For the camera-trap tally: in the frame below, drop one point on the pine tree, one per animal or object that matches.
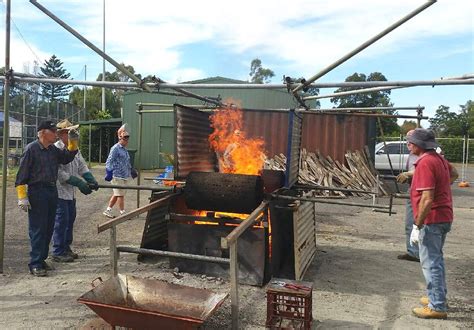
(53, 68)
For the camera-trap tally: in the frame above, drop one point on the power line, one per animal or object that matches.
(22, 37)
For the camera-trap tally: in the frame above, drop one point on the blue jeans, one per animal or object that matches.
(43, 201)
(63, 226)
(432, 239)
(412, 250)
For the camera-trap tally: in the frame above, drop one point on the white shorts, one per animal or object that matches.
(121, 182)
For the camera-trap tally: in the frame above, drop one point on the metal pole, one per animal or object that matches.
(103, 59)
(345, 84)
(113, 252)
(100, 144)
(130, 187)
(234, 285)
(463, 168)
(91, 45)
(364, 45)
(419, 113)
(388, 155)
(6, 135)
(370, 90)
(130, 249)
(84, 117)
(139, 154)
(23, 127)
(90, 144)
(357, 91)
(326, 201)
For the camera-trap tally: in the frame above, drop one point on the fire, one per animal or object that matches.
(236, 153)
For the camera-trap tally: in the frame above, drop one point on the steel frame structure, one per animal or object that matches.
(294, 88)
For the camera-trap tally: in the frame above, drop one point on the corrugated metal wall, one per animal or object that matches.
(331, 135)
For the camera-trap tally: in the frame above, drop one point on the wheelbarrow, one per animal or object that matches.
(137, 303)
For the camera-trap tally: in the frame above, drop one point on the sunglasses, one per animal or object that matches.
(126, 137)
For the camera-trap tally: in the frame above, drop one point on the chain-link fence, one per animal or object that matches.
(28, 108)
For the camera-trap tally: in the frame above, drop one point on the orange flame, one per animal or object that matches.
(236, 153)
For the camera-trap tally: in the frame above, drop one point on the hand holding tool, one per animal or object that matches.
(73, 140)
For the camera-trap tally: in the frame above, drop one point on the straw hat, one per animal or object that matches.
(66, 125)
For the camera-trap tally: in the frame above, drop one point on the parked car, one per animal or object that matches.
(398, 152)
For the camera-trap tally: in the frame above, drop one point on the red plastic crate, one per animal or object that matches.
(289, 304)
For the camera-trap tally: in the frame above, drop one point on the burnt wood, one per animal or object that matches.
(223, 192)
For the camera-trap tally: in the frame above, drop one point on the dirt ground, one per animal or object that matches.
(358, 281)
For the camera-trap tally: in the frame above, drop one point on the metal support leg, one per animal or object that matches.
(113, 251)
(234, 285)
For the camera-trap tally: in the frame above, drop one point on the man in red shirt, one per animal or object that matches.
(431, 198)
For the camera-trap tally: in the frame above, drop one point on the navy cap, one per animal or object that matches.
(47, 124)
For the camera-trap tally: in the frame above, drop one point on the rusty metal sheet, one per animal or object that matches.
(137, 303)
(331, 135)
(192, 152)
(293, 151)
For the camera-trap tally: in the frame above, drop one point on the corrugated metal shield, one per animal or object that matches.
(192, 152)
(295, 126)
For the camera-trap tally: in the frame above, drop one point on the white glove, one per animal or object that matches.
(24, 204)
(414, 236)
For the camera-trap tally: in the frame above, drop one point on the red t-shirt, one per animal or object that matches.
(432, 173)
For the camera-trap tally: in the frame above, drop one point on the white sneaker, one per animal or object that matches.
(108, 214)
(122, 212)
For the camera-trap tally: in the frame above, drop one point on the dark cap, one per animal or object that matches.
(423, 138)
(47, 124)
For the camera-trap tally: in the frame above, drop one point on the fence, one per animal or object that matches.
(28, 109)
(457, 150)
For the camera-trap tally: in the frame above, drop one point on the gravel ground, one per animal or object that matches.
(358, 281)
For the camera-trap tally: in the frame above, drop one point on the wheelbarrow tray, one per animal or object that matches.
(137, 303)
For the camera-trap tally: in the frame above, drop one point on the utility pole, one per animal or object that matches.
(103, 59)
(85, 91)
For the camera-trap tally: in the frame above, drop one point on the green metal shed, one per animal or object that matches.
(158, 128)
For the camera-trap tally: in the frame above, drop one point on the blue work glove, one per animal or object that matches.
(81, 184)
(91, 181)
(133, 173)
(108, 175)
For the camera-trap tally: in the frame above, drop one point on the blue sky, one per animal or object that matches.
(186, 40)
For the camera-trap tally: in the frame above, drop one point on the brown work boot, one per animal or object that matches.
(425, 301)
(428, 313)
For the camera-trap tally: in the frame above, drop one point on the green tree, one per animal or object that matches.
(449, 123)
(258, 74)
(53, 68)
(94, 102)
(445, 122)
(373, 99)
(407, 125)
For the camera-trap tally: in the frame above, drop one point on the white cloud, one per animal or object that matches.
(301, 35)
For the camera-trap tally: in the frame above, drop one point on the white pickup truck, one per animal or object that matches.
(398, 152)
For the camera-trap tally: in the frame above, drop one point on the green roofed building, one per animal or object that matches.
(158, 128)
